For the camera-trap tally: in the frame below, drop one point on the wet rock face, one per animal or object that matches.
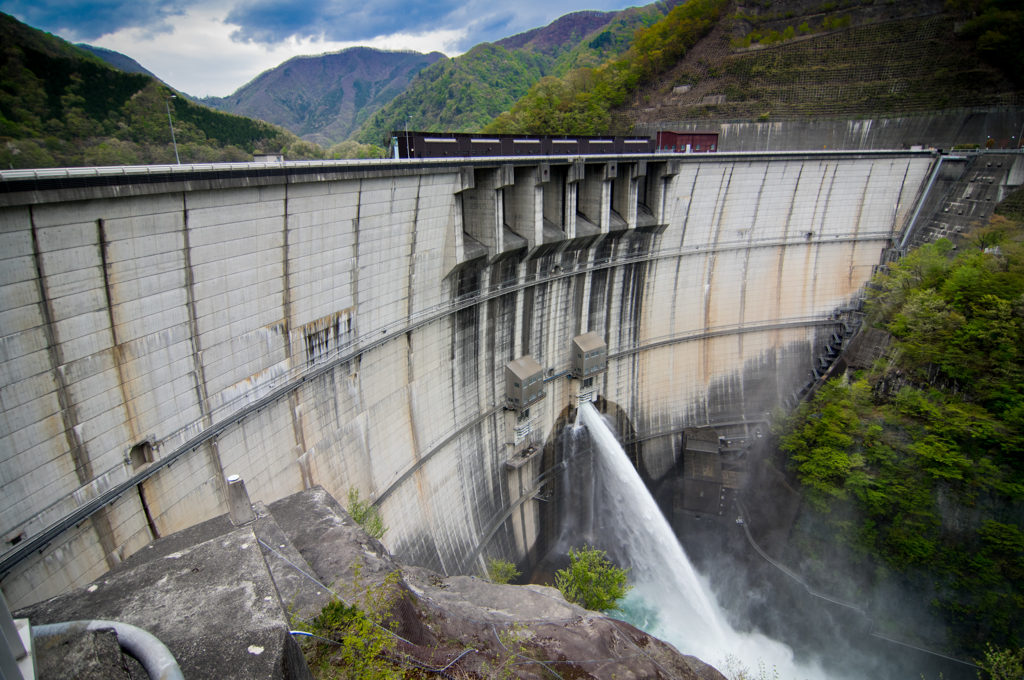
(474, 627)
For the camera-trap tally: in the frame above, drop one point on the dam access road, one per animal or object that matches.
(347, 324)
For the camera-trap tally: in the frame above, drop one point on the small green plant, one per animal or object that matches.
(360, 644)
(591, 580)
(836, 23)
(512, 641)
(365, 515)
(501, 571)
(1002, 664)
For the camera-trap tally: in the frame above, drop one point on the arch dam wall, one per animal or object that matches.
(347, 325)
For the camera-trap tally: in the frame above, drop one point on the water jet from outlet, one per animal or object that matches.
(669, 600)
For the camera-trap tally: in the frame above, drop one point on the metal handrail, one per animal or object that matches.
(125, 170)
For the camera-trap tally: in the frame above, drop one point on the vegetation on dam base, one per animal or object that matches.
(911, 470)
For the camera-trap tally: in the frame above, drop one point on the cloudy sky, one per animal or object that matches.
(213, 47)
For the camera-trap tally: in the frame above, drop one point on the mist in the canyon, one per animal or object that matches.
(701, 585)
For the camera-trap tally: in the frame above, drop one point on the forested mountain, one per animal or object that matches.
(62, 106)
(585, 73)
(323, 98)
(580, 101)
(467, 92)
(790, 59)
(121, 62)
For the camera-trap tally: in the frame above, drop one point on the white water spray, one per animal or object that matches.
(674, 601)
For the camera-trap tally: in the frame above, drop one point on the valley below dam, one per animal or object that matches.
(727, 604)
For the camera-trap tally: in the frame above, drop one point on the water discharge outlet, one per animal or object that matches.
(669, 598)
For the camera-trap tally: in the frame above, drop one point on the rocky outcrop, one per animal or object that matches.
(520, 629)
(213, 599)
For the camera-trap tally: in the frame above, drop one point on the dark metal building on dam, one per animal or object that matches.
(348, 324)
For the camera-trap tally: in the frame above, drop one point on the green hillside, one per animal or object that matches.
(460, 94)
(121, 62)
(791, 60)
(903, 66)
(611, 40)
(782, 60)
(62, 106)
(580, 102)
(911, 471)
(324, 98)
(466, 93)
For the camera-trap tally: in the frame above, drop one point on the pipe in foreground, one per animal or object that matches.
(144, 647)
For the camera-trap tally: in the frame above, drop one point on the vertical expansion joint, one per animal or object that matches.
(241, 508)
(286, 289)
(150, 522)
(68, 411)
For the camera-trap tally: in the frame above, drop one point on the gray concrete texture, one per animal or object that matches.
(337, 331)
(213, 604)
(92, 655)
(966, 190)
(1003, 125)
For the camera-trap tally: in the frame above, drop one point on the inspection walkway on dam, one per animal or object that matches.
(347, 323)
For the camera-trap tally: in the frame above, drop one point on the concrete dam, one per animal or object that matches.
(348, 324)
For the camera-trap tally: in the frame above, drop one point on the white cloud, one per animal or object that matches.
(191, 47)
(198, 57)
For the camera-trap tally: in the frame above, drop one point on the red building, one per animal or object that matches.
(687, 142)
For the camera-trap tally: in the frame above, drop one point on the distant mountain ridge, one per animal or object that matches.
(121, 62)
(553, 38)
(61, 105)
(466, 93)
(323, 98)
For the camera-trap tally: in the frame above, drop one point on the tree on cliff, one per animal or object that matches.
(591, 580)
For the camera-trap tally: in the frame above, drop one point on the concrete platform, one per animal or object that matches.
(329, 540)
(213, 604)
(299, 595)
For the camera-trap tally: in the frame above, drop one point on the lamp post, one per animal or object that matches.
(167, 103)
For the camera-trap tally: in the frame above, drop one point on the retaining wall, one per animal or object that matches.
(1003, 125)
